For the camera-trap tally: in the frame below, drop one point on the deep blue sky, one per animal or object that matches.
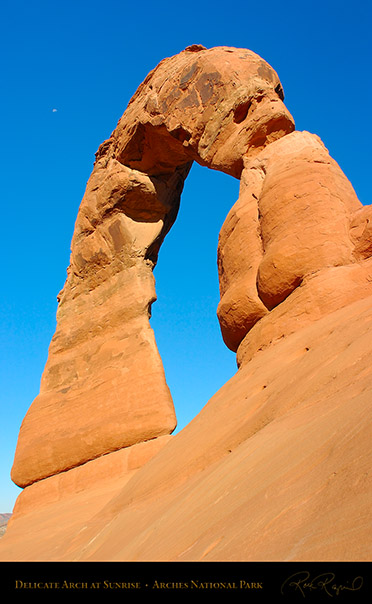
(85, 59)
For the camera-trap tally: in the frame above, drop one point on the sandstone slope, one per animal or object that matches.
(275, 467)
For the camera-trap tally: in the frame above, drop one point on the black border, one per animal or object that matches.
(255, 581)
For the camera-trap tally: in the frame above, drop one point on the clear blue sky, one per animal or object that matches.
(68, 71)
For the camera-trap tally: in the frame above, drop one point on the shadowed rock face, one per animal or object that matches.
(103, 387)
(277, 464)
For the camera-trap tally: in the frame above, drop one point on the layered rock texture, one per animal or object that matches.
(276, 465)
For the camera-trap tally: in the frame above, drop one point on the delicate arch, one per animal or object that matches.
(104, 376)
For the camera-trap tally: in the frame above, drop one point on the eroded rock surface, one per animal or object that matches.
(296, 220)
(276, 465)
(103, 387)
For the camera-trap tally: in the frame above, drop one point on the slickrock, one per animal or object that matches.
(276, 465)
(120, 464)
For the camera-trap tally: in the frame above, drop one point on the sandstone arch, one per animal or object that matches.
(288, 435)
(104, 376)
(103, 388)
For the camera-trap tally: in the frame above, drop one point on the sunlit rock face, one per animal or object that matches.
(276, 466)
(212, 106)
(297, 239)
(104, 387)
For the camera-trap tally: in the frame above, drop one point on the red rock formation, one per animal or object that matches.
(295, 218)
(104, 376)
(276, 466)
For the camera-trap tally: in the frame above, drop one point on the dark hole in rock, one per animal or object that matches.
(241, 112)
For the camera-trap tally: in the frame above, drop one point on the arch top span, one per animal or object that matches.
(212, 106)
